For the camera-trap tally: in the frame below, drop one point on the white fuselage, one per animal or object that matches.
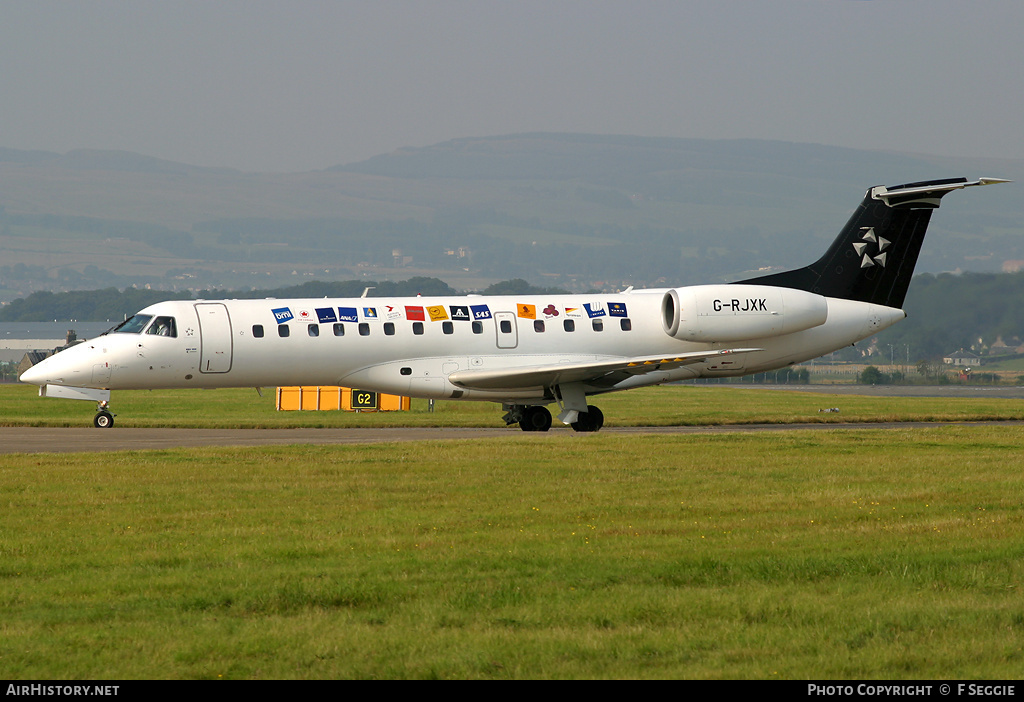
(410, 346)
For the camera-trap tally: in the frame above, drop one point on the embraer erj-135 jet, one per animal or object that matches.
(525, 352)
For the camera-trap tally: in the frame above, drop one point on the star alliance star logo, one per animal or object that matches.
(861, 247)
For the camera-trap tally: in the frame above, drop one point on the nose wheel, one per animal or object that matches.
(104, 418)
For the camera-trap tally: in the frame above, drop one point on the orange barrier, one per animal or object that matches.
(332, 397)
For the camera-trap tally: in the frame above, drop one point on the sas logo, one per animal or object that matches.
(282, 314)
(481, 311)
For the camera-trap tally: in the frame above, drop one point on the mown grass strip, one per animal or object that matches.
(658, 406)
(835, 554)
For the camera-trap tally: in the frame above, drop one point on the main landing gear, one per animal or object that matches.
(104, 418)
(538, 418)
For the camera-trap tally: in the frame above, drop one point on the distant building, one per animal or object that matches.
(962, 358)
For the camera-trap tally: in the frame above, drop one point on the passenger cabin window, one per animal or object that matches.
(447, 327)
(389, 328)
(313, 330)
(598, 324)
(625, 324)
(505, 326)
(132, 325)
(364, 329)
(478, 327)
(339, 329)
(163, 326)
(569, 325)
(282, 330)
(538, 325)
(257, 331)
(417, 328)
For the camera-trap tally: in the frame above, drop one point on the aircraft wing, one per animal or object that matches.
(601, 372)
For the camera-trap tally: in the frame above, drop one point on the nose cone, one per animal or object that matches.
(71, 366)
(39, 374)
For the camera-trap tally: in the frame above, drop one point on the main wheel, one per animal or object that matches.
(591, 420)
(103, 420)
(535, 418)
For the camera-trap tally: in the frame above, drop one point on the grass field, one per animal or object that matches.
(672, 405)
(866, 553)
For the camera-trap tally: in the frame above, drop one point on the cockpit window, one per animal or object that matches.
(132, 325)
(163, 326)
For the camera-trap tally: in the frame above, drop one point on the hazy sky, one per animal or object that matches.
(302, 85)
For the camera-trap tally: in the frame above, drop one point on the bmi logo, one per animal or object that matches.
(864, 246)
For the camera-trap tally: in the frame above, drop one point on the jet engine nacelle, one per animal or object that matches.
(737, 312)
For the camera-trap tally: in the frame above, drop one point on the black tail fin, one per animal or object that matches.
(873, 258)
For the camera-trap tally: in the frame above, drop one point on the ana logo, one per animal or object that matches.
(347, 314)
(863, 246)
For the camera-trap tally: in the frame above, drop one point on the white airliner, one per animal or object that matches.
(525, 352)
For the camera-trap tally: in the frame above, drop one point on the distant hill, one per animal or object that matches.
(568, 210)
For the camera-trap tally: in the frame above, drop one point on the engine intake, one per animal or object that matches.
(736, 312)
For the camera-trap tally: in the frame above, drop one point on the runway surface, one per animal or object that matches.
(74, 439)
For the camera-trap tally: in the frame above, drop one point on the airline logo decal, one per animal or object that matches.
(326, 315)
(861, 247)
(347, 314)
(550, 311)
(573, 312)
(282, 314)
(481, 311)
(526, 311)
(370, 312)
(594, 309)
(437, 313)
(459, 312)
(304, 315)
(617, 309)
(414, 314)
(392, 313)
